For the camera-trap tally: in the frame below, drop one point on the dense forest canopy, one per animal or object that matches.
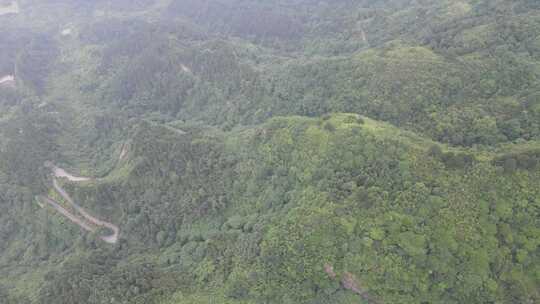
(284, 151)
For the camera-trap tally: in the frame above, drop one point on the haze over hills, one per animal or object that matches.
(285, 151)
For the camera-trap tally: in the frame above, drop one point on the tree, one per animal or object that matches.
(510, 165)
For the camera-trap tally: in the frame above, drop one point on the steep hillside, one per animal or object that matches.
(334, 209)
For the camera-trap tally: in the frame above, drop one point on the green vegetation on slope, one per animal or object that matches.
(469, 78)
(257, 214)
(214, 131)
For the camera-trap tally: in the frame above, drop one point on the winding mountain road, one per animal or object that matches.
(89, 223)
(67, 214)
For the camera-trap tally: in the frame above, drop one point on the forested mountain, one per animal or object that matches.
(281, 151)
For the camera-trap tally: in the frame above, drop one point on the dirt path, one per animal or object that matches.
(7, 79)
(88, 222)
(349, 282)
(13, 8)
(123, 153)
(185, 68)
(61, 173)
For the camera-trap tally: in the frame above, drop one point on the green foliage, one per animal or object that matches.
(526, 160)
(212, 131)
(27, 143)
